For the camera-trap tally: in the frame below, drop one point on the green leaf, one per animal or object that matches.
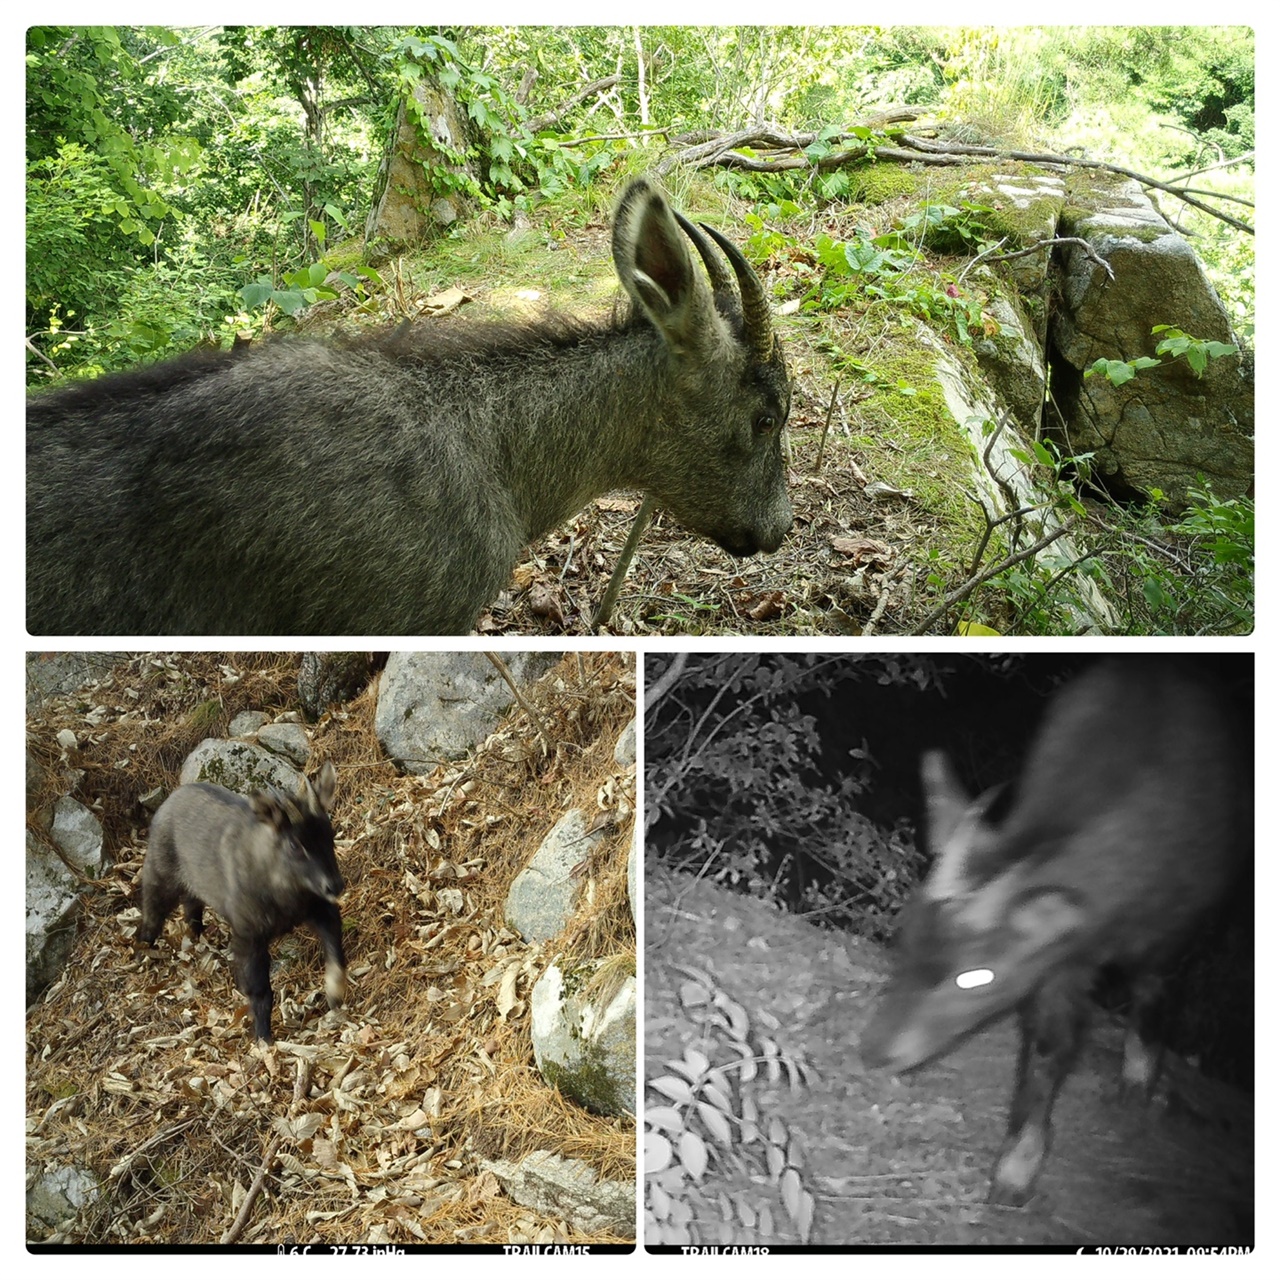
(716, 1123)
(1117, 372)
(290, 301)
(257, 293)
(673, 1087)
(1156, 596)
(657, 1152)
(693, 1154)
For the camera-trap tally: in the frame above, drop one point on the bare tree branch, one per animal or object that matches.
(954, 597)
(550, 118)
(776, 151)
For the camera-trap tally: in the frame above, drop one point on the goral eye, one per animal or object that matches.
(764, 423)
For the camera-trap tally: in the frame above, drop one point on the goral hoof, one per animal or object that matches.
(1013, 1197)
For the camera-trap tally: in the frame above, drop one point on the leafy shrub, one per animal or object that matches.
(77, 263)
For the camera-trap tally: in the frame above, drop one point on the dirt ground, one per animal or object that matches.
(378, 1123)
(907, 1161)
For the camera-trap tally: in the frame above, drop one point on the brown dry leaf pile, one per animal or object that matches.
(363, 1125)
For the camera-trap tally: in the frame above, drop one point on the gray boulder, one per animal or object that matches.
(239, 766)
(53, 889)
(540, 900)
(434, 707)
(1165, 427)
(584, 1036)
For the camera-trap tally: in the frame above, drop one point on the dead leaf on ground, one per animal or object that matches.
(764, 608)
(448, 300)
(864, 550)
(545, 601)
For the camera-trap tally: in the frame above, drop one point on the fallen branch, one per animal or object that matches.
(35, 351)
(1084, 246)
(655, 132)
(961, 149)
(655, 693)
(605, 608)
(538, 723)
(550, 118)
(826, 427)
(1222, 164)
(232, 1233)
(777, 152)
(953, 598)
(710, 147)
(156, 1139)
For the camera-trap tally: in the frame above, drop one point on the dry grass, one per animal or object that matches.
(369, 1122)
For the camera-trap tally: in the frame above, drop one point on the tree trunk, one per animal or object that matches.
(424, 176)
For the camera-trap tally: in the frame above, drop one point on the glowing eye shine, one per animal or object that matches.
(971, 978)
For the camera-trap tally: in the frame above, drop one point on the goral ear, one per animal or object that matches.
(956, 826)
(274, 809)
(946, 801)
(318, 790)
(652, 260)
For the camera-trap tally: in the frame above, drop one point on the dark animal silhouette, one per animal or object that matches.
(265, 864)
(1123, 833)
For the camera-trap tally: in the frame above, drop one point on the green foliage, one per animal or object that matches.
(163, 191)
(1026, 80)
(1045, 594)
(307, 286)
(518, 163)
(1176, 344)
(1206, 79)
(682, 611)
(1201, 583)
(1118, 372)
(852, 264)
(1198, 351)
(786, 188)
(1221, 547)
(1194, 577)
(232, 146)
(881, 267)
(76, 261)
(943, 228)
(88, 85)
(172, 305)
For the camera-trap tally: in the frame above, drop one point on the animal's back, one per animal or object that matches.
(1130, 798)
(200, 840)
(295, 488)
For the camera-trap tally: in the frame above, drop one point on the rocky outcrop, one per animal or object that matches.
(410, 205)
(1166, 427)
(327, 679)
(1100, 298)
(568, 1189)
